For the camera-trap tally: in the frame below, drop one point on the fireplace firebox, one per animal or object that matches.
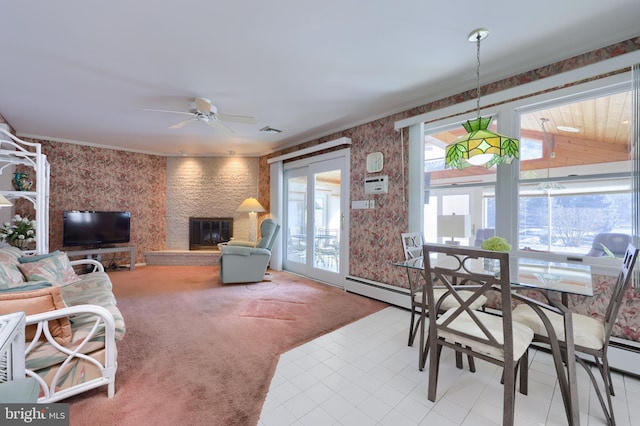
(205, 233)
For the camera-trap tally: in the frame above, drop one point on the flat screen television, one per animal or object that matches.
(90, 228)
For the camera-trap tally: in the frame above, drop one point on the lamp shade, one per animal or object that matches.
(250, 205)
(481, 146)
(4, 202)
(454, 226)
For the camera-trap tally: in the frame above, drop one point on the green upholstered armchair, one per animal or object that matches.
(245, 261)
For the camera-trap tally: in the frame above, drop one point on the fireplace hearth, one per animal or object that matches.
(205, 233)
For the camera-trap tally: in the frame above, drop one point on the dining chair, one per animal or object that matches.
(591, 335)
(327, 246)
(297, 246)
(493, 338)
(412, 245)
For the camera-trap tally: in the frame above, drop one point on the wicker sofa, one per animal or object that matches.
(72, 322)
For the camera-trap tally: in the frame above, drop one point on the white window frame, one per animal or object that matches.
(507, 114)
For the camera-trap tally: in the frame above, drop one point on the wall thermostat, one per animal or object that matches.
(375, 162)
(376, 185)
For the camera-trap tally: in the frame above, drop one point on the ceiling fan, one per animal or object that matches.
(203, 110)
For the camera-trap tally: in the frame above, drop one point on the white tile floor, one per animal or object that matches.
(365, 374)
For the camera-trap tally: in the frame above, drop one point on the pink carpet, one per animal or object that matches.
(200, 353)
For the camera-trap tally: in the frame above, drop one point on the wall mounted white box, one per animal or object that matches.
(376, 185)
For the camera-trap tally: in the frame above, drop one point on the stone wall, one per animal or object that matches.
(207, 187)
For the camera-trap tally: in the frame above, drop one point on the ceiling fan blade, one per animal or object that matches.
(164, 110)
(182, 123)
(203, 105)
(238, 118)
(218, 125)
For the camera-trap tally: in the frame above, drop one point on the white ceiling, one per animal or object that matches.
(85, 71)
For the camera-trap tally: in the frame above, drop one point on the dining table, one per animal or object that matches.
(556, 281)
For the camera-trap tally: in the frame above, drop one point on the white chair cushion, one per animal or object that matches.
(587, 332)
(450, 301)
(522, 335)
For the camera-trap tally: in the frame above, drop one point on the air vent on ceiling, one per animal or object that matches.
(270, 129)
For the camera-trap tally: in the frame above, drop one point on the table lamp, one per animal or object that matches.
(252, 206)
(454, 226)
(4, 202)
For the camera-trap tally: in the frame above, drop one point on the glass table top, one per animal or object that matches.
(564, 277)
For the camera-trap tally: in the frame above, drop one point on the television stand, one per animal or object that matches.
(98, 252)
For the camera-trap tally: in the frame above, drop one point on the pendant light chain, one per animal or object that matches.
(480, 145)
(478, 74)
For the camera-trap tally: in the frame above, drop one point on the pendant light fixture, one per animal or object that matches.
(480, 145)
(550, 147)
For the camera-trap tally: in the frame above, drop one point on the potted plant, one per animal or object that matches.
(494, 243)
(19, 232)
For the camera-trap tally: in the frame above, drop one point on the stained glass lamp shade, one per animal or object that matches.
(481, 146)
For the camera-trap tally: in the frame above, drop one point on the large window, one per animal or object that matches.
(571, 187)
(469, 192)
(576, 183)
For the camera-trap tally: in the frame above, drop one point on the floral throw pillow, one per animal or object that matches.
(10, 254)
(10, 275)
(55, 269)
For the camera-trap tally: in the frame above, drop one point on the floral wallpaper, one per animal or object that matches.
(375, 234)
(91, 178)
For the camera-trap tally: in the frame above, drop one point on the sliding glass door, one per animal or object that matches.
(314, 218)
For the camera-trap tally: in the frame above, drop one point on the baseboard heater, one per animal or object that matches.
(624, 356)
(393, 295)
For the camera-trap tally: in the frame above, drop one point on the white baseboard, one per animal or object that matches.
(624, 356)
(380, 291)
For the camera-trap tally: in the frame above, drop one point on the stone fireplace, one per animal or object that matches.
(205, 233)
